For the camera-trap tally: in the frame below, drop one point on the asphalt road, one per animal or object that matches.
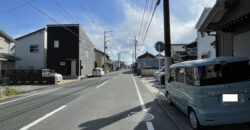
(117, 101)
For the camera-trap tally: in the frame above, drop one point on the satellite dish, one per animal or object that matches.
(159, 46)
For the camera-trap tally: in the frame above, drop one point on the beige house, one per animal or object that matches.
(7, 60)
(99, 60)
(230, 19)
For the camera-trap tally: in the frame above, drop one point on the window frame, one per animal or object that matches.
(37, 50)
(192, 74)
(178, 69)
(58, 44)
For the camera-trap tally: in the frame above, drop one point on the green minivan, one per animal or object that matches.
(214, 91)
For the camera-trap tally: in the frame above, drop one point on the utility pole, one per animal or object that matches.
(119, 57)
(167, 37)
(135, 47)
(104, 50)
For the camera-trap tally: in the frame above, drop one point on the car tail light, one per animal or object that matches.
(196, 76)
(196, 73)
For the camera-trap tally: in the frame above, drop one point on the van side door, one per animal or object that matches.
(180, 88)
(187, 89)
(170, 85)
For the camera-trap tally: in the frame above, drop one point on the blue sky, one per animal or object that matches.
(123, 17)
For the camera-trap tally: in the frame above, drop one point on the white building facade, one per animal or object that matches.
(32, 48)
(205, 49)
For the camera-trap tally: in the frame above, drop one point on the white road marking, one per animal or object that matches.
(30, 96)
(115, 77)
(139, 95)
(73, 83)
(102, 84)
(148, 123)
(42, 118)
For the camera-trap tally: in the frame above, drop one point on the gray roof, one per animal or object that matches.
(6, 36)
(10, 57)
(42, 29)
(209, 61)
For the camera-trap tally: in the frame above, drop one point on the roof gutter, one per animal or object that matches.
(216, 14)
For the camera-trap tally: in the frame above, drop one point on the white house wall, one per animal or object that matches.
(4, 45)
(31, 60)
(204, 46)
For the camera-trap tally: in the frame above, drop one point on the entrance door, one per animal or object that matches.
(73, 68)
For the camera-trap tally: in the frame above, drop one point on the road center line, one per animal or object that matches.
(115, 77)
(42, 118)
(102, 84)
(148, 123)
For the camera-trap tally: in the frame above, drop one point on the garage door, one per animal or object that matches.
(241, 44)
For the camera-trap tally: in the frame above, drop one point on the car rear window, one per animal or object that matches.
(224, 73)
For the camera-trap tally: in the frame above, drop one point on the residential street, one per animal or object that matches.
(115, 101)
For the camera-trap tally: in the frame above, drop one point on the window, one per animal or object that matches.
(180, 75)
(224, 73)
(189, 76)
(56, 44)
(173, 74)
(34, 48)
(87, 53)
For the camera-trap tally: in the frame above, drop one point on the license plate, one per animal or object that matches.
(230, 98)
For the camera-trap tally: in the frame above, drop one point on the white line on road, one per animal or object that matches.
(139, 95)
(115, 77)
(102, 84)
(148, 123)
(42, 118)
(73, 83)
(29, 96)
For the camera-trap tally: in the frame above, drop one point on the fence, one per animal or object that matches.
(25, 77)
(4, 81)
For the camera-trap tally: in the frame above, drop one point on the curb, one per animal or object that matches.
(159, 101)
(170, 115)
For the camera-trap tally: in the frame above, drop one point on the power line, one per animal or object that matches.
(84, 8)
(65, 11)
(143, 18)
(51, 18)
(156, 5)
(42, 12)
(17, 7)
(59, 10)
(147, 21)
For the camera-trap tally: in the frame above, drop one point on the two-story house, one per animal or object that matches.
(99, 60)
(230, 19)
(7, 60)
(205, 47)
(64, 48)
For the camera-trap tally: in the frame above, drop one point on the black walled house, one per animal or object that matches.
(69, 51)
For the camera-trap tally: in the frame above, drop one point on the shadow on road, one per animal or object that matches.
(103, 122)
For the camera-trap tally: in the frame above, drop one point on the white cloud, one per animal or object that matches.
(182, 31)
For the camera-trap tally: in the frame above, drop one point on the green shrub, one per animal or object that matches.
(12, 91)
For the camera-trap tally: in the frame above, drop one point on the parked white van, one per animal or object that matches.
(214, 91)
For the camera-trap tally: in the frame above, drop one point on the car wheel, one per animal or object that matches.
(193, 120)
(168, 98)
